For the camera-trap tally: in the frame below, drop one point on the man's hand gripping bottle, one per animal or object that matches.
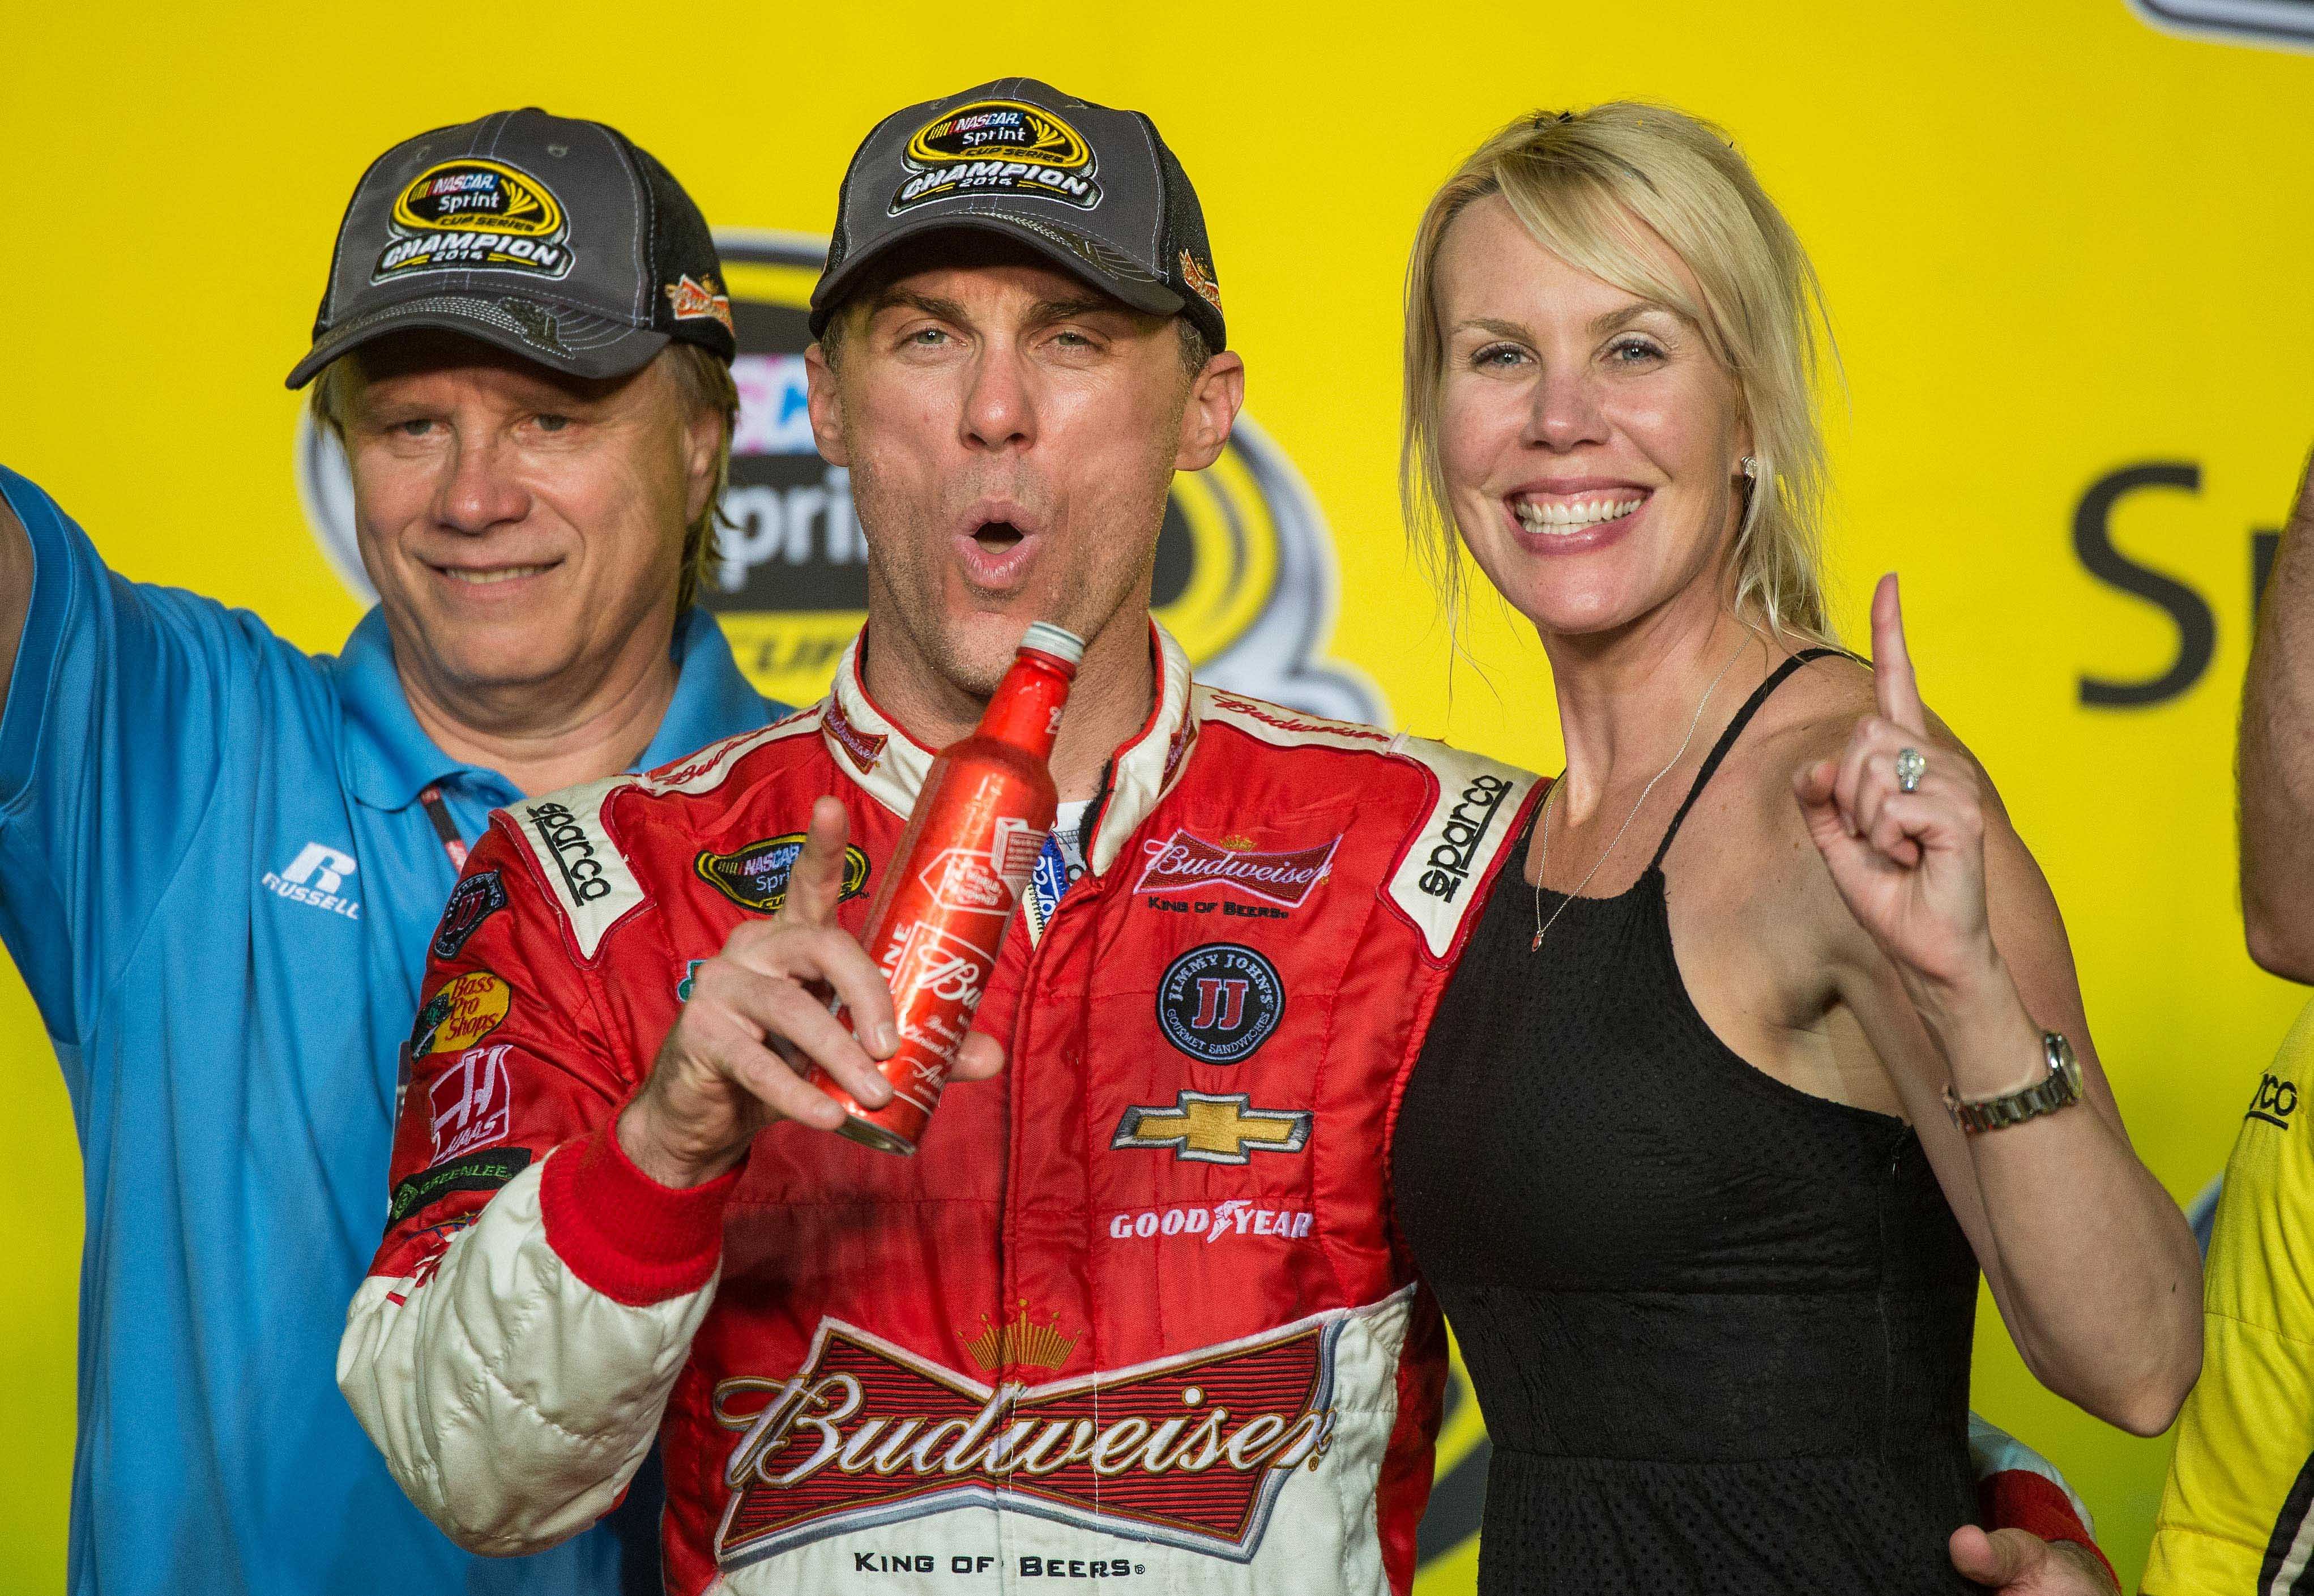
(959, 872)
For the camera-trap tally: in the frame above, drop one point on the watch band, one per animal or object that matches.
(2060, 1088)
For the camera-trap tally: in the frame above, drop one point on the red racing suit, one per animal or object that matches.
(1136, 1313)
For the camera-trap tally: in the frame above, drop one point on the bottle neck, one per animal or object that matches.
(1026, 711)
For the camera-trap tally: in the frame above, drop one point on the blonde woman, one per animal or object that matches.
(1779, 1041)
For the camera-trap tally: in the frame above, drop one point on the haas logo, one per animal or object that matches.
(1190, 1452)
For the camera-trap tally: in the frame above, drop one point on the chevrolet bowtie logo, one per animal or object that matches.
(1206, 1129)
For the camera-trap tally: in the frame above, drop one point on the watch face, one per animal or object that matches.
(2067, 1068)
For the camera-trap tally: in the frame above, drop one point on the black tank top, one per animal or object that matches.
(1719, 1327)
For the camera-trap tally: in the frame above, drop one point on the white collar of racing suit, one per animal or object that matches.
(877, 753)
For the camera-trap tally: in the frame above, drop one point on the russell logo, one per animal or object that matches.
(317, 876)
(1245, 568)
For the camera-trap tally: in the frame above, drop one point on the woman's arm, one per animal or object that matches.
(1962, 964)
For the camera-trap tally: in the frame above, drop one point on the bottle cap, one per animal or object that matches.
(1046, 638)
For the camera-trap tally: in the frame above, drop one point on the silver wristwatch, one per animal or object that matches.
(2060, 1088)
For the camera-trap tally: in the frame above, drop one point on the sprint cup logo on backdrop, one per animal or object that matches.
(2285, 22)
(1245, 562)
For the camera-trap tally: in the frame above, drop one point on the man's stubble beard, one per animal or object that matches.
(915, 578)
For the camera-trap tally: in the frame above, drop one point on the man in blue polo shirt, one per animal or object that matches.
(222, 861)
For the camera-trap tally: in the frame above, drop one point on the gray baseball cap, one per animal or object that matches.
(1095, 191)
(561, 241)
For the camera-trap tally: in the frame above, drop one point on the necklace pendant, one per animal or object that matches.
(1535, 946)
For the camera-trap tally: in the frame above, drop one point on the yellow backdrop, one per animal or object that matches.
(2062, 240)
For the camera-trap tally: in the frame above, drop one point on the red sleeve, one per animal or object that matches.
(509, 1057)
(1411, 1458)
(2019, 1499)
(633, 1240)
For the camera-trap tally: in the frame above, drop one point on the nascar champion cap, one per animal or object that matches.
(559, 240)
(1095, 191)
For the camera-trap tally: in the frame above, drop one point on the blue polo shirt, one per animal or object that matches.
(217, 880)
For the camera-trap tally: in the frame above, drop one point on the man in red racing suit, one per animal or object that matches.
(1134, 1307)
(1136, 1312)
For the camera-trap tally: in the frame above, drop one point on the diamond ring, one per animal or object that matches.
(1910, 768)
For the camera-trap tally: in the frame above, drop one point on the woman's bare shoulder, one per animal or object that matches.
(1812, 717)
(1812, 714)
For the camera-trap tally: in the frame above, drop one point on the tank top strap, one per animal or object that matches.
(1760, 695)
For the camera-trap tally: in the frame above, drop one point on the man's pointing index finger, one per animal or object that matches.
(815, 880)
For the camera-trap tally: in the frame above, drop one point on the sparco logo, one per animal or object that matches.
(1184, 861)
(1467, 824)
(1189, 1452)
(574, 850)
(1245, 571)
(2274, 1101)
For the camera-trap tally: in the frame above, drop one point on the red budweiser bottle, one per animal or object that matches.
(954, 881)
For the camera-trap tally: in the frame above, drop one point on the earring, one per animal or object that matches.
(1748, 468)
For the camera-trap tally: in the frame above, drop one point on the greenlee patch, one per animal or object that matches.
(483, 1171)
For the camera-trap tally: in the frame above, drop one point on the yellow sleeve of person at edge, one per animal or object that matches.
(2235, 1514)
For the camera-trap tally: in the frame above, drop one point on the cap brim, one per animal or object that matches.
(576, 341)
(1080, 256)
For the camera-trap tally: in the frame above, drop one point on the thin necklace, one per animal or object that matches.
(1542, 853)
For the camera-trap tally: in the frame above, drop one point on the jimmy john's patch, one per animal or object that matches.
(1220, 1003)
(472, 214)
(757, 876)
(484, 1171)
(997, 147)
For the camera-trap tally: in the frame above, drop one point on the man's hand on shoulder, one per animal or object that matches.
(15, 590)
(757, 1018)
(2022, 1564)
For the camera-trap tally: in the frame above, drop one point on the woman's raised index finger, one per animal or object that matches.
(816, 879)
(1893, 685)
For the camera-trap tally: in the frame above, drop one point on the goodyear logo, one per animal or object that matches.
(1245, 570)
(1000, 146)
(467, 214)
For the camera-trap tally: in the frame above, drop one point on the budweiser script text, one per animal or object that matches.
(1189, 1444)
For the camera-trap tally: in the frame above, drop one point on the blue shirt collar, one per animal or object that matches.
(388, 759)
